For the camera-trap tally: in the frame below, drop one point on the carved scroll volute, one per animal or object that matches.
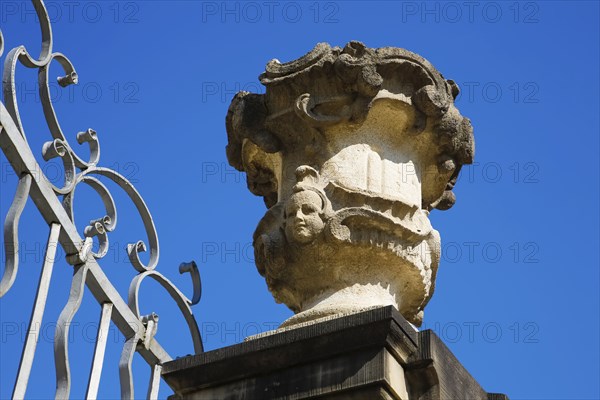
(350, 148)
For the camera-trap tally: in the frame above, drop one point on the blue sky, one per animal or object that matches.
(517, 295)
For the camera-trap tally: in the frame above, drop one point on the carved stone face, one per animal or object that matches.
(303, 217)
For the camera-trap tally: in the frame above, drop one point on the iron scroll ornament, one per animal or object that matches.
(56, 206)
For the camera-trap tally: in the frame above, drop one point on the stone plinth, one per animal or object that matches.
(374, 354)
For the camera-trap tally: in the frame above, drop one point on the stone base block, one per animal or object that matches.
(375, 354)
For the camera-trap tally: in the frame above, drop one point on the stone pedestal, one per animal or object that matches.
(374, 354)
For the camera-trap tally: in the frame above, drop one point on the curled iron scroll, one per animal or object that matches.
(60, 147)
(182, 301)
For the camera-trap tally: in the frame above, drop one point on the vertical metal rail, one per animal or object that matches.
(97, 363)
(55, 204)
(37, 314)
(155, 373)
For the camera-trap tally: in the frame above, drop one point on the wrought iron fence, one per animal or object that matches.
(56, 206)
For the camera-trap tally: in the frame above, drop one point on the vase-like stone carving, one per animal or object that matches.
(351, 149)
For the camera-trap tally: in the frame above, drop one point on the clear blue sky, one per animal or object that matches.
(517, 297)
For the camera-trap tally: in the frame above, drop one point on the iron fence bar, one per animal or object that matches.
(61, 335)
(125, 374)
(154, 385)
(37, 315)
(98, 362)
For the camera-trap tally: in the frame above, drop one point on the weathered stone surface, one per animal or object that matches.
(374, 354)
(351, 149)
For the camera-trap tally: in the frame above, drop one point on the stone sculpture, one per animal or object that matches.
(351, 149)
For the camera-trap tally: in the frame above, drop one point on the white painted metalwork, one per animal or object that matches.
(37, 314)
(56, 206)
(96, 370)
